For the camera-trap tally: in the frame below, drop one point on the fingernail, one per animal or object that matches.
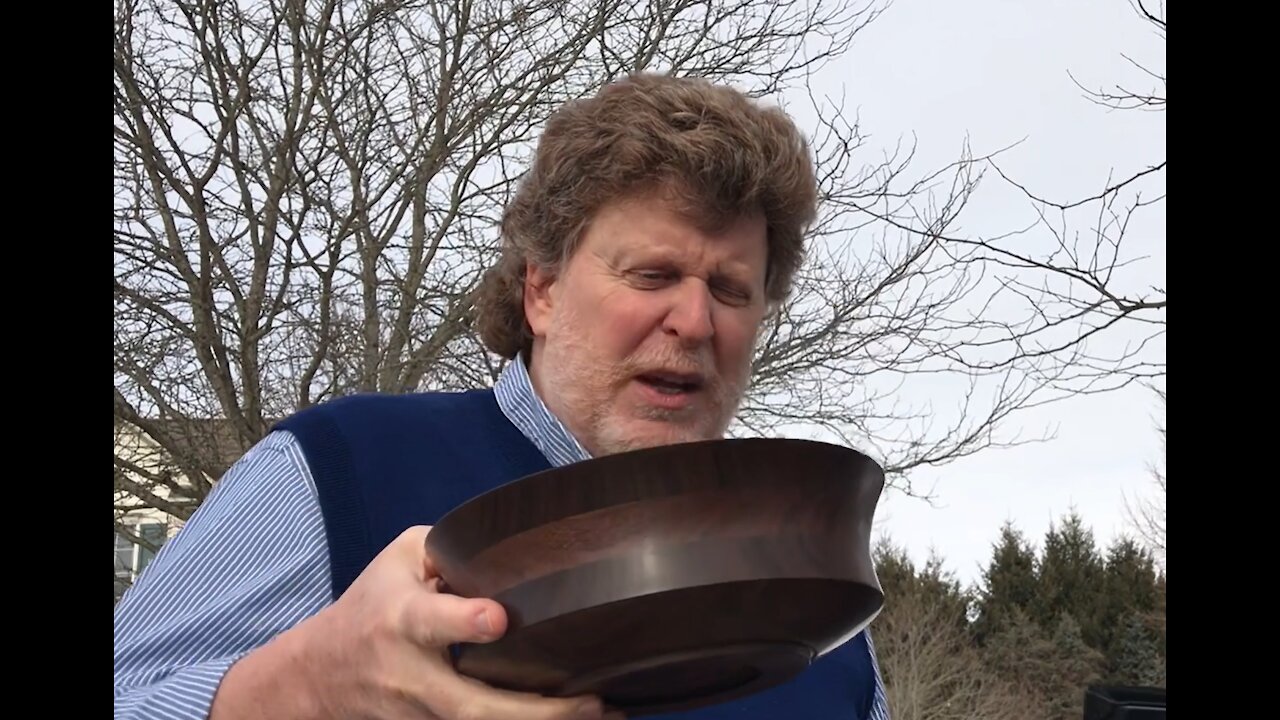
(589, 710)
(483, 623)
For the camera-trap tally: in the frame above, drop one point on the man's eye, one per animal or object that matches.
(732, 295)
(651, 277)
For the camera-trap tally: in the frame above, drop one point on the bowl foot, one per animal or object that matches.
(691, 678)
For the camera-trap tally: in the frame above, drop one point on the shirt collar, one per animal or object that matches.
(519, 401)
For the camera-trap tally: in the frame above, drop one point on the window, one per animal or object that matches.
(132, 559)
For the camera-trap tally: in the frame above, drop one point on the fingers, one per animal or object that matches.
(434, 619)
(463, 697)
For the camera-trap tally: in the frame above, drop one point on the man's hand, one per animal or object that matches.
(382, 651)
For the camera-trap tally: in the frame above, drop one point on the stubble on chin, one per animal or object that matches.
(635, 426)
(595, 400)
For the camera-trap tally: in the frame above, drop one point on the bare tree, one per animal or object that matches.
(1124, 98)
(931, 668)
(1078, 282)
(1065, 300)
(306, 194)
(1146, 515)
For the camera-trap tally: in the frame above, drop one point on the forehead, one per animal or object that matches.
(651, 226)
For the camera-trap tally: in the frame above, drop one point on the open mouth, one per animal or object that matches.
(672, 383)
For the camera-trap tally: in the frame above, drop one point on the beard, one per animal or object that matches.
(589, 392)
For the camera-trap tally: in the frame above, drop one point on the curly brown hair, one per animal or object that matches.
(721, 153)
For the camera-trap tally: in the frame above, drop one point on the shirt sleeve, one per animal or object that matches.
(880, 705)
(251, 562)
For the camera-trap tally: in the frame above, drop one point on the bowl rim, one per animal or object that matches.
(458, 533)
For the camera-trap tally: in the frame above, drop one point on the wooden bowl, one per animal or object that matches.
(668, 578)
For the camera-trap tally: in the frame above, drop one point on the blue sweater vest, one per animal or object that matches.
(383, 463)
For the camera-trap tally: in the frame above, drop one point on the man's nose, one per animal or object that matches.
(689, 317)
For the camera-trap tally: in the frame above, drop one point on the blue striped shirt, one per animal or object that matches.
(252, 562)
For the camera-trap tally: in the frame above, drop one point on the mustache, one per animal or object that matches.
(674, 360)
(701, 362)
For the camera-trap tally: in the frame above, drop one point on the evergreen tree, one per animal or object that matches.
(1129, 590)
(1077, 664)
(1008, 583)
(930, 667)
(1070, 580)
(1137, 660)
(893, 567)
(1158, 616)
(1021, 653)
(1054, 666)
(899, 578)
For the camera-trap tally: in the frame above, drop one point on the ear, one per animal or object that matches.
(538, 298)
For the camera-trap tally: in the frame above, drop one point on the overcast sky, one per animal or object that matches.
(996, 72)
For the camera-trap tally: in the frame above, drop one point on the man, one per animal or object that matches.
(660, 222)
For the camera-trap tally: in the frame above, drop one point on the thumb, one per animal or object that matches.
(435, 619)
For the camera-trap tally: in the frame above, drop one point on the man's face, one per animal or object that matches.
(645, 336)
